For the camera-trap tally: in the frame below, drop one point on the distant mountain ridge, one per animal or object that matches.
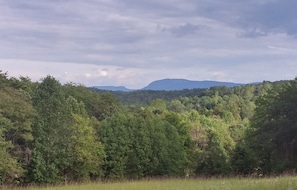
(173, 84)
(181, 84)
(113, 88)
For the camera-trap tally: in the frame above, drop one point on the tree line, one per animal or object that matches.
(53, 133)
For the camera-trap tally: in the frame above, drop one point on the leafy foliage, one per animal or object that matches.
(138, 147)
(65, 145)
(98, 105)
(51, 133)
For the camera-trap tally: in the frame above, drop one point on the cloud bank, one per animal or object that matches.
(131, 42)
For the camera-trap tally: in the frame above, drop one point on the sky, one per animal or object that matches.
(134, 42)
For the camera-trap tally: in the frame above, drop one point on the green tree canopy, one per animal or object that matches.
(274, 128)
(65, 142)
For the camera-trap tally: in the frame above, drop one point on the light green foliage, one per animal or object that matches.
(215, 158)
(213, 143)
(158, 106)
(84, 148)
(176, 106)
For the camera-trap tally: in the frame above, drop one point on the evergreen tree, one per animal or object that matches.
(274, 128)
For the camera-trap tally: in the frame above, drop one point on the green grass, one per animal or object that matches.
(277, 183)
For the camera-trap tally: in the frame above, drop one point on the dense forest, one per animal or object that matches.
(53, 133)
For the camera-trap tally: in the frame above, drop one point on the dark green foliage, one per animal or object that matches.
(168, 153)
(139, 152)
(10, 169)
(115, 138)
(145, 97)
(16, 115)
(138, 147)
(4, 80)
(243, 160)
(274, 128)
(98, 105)
(15, 105)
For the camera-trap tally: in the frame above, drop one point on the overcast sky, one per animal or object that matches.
(133, 42)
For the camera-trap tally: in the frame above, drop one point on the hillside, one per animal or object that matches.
(173, 84)
(181, 84)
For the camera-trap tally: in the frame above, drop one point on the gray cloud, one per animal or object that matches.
(139, 41)
(276, 16)
(186, 29)
(252, 33)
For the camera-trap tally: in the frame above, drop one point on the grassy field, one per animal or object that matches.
(277, 183)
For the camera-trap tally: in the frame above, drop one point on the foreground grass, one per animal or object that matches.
(277, 183)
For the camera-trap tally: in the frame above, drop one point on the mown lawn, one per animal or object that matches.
(277, 183)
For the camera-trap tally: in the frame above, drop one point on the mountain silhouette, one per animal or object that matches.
(181, 84)
(172, 84)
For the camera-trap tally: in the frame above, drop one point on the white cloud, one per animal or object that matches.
(103, 73)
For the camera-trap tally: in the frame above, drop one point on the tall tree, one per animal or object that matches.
(65, 143)
(274, 128)
(50, 104)
(85, 152)
(114, 135)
